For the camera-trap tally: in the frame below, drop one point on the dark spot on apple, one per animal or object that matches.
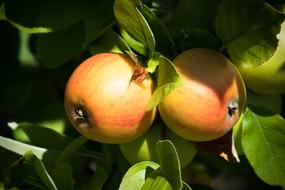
(232, 107)
(80, 114)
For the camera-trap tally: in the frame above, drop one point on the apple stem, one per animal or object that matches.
(139, 73)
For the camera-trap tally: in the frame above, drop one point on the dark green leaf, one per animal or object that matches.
(47, 16)
(98, 179)
(164, 43)
(41, 136)
(169, 163)
(193, 14)
(132, 21)
(197, 38)
(248, 28)
(99, 21)
(30, 172)
(109, 41)
(167, 80)
(263, 134)
(137, 174)
(71, 149)
(2, 13)
(63, 176)
(54, 49)
(63, 170)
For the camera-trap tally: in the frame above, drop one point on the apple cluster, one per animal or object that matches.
(107, 95)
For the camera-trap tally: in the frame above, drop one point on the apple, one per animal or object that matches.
(269, 77)
(210, 99)
(143, 148)
(104, 101)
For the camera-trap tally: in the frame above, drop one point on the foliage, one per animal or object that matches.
(43, 41)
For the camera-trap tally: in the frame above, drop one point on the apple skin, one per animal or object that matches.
(199, 109)
(143, 148)
(269, 77)
(104, 104)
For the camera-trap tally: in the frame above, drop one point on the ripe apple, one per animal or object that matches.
(143, 148)
(210, 99)
(269, 77)
(105, 103)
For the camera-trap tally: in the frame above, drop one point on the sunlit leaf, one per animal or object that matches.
(41, 136)
(169, 163)
(137, 174)
(167, 80)
(263, 134)
(21, 148)
(248, 29)
(130, 19)
(134, 44)
(156, 182)
(153, 62)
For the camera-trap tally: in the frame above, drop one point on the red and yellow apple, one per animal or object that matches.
(105, 103)
(143, 148)
(209, 100)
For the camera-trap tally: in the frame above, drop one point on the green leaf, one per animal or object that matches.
(156, 182)
(35, 17)
(250, 37)
(193, 14)
(263, 134)
(20, 148)
(153, 62)
(71, 149)
(109, 41)
(197, 38)
(169, 163)
(42, 153)
(54, 49)
(63, 170)
(41, 136)
(99, 21)
(63, 176)
(167, 80)
(137, 174)
(131, 20)
(2, 12)
(98, 179)
(186, 186)
(134, 44)
(30, 172)
(164, 43)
